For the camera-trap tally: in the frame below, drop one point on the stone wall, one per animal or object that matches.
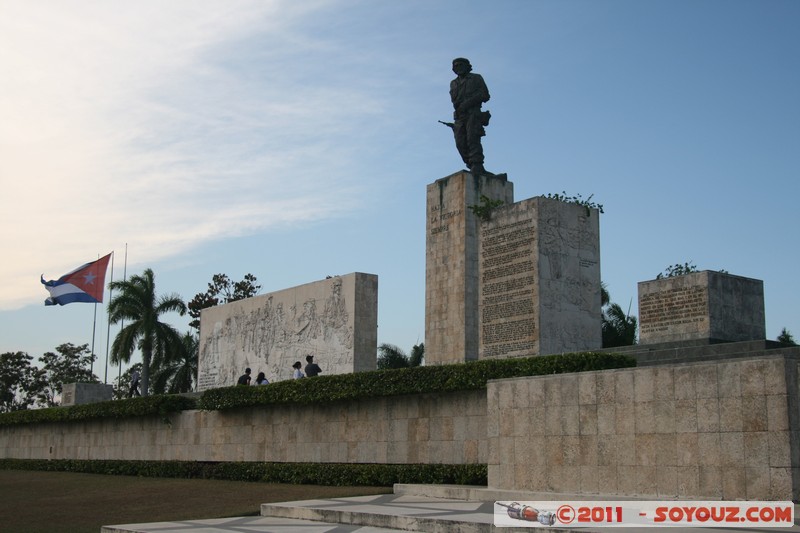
(442, 429)
(711, 430)
(720, 430)
(335, 320)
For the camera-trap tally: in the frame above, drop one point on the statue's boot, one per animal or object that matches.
(478, 170)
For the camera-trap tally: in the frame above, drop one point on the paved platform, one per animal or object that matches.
(427, 508)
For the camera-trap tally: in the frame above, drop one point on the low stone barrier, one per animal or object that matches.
(446, 428)
(717, 430)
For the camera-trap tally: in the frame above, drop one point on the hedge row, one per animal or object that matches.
(325, 389)
(337, 474)
(161, 405)
(442, 378)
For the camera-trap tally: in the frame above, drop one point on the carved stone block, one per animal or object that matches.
(705, 305)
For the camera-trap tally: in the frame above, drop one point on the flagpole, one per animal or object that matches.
(108, 331)
(94, 328)
(122, 323)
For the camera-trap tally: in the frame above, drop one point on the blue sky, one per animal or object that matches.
(294, 140)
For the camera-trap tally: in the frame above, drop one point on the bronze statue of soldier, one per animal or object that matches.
(468, 92)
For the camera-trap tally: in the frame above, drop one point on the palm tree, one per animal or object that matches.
(417, 356)
(392, 356)
(177, 372)
(786, 338)
(136, 302)
(619, 328)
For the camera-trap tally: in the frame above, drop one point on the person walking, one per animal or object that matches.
(134, 389)
(244, 379)
(312, 368)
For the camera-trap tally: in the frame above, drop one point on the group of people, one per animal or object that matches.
(312, 369)
(245, 378)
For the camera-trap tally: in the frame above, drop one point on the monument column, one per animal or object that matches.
(451, 265)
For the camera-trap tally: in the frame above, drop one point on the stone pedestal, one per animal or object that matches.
(81, 393)
(702, 305)
(540, 279)
(451, 266)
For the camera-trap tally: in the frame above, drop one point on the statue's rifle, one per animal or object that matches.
(448, 124)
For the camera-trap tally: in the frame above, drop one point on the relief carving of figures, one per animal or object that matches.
(270, 338)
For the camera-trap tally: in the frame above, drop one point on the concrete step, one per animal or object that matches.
(407, 513)
(244, 524)
(411, 508)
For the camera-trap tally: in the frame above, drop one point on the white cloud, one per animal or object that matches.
(167, 124)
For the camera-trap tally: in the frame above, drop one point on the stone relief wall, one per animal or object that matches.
(569, 276)
(335, 320)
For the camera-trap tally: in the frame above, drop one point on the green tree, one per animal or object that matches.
(177, 373)
(786, 338)
(19, 381)
(221, 290)
(618, 327)
(138, 306)
(69, 364)
(391, 356)
(417, 355)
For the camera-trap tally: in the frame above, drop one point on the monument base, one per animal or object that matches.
(81, 393)
(451, 263)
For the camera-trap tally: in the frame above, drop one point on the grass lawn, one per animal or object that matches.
(34, 501)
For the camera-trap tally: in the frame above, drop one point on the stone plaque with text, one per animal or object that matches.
(701, 305)
(539, 267)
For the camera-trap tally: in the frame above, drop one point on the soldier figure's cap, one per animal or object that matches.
(461, 60)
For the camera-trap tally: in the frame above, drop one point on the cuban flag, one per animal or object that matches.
(84, 284)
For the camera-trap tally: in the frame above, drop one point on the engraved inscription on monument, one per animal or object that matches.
(674, 307)
(508, 316)
(440, 218)
(701, 305)
(540, 279)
